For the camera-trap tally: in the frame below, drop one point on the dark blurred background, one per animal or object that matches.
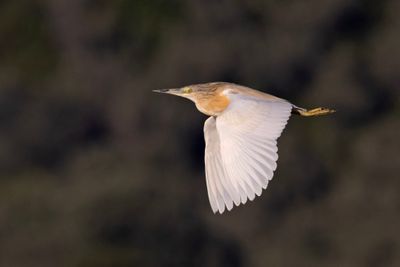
(96, 170)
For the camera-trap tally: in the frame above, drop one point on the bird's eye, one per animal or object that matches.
(187, 90)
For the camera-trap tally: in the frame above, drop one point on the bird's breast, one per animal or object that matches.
(213, 106)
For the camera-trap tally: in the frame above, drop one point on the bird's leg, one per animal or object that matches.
(311, 112)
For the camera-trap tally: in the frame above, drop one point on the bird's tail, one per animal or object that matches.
(311, 112)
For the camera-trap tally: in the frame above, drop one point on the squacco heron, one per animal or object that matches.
(241, 138)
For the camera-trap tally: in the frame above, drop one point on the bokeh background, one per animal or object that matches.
(96, 170)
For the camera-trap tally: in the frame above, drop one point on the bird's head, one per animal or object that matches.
(195, 91)
(208, 97)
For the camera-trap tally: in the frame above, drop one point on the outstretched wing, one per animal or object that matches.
(241, 149)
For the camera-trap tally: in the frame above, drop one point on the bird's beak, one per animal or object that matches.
(171, 91)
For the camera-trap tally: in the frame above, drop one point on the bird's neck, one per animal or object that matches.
(212, 106)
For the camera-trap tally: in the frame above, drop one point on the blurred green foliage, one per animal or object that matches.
(26, 44)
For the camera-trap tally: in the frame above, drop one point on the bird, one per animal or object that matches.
(240, 136)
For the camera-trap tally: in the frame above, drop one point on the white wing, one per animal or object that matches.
(241, 149)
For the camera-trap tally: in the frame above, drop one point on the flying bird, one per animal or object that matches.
(241, 138)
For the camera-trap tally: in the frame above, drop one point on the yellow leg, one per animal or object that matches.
(315, 112)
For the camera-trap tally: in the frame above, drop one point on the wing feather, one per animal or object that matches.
(241, 149)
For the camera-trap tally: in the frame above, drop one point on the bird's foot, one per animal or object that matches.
(315, 112)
